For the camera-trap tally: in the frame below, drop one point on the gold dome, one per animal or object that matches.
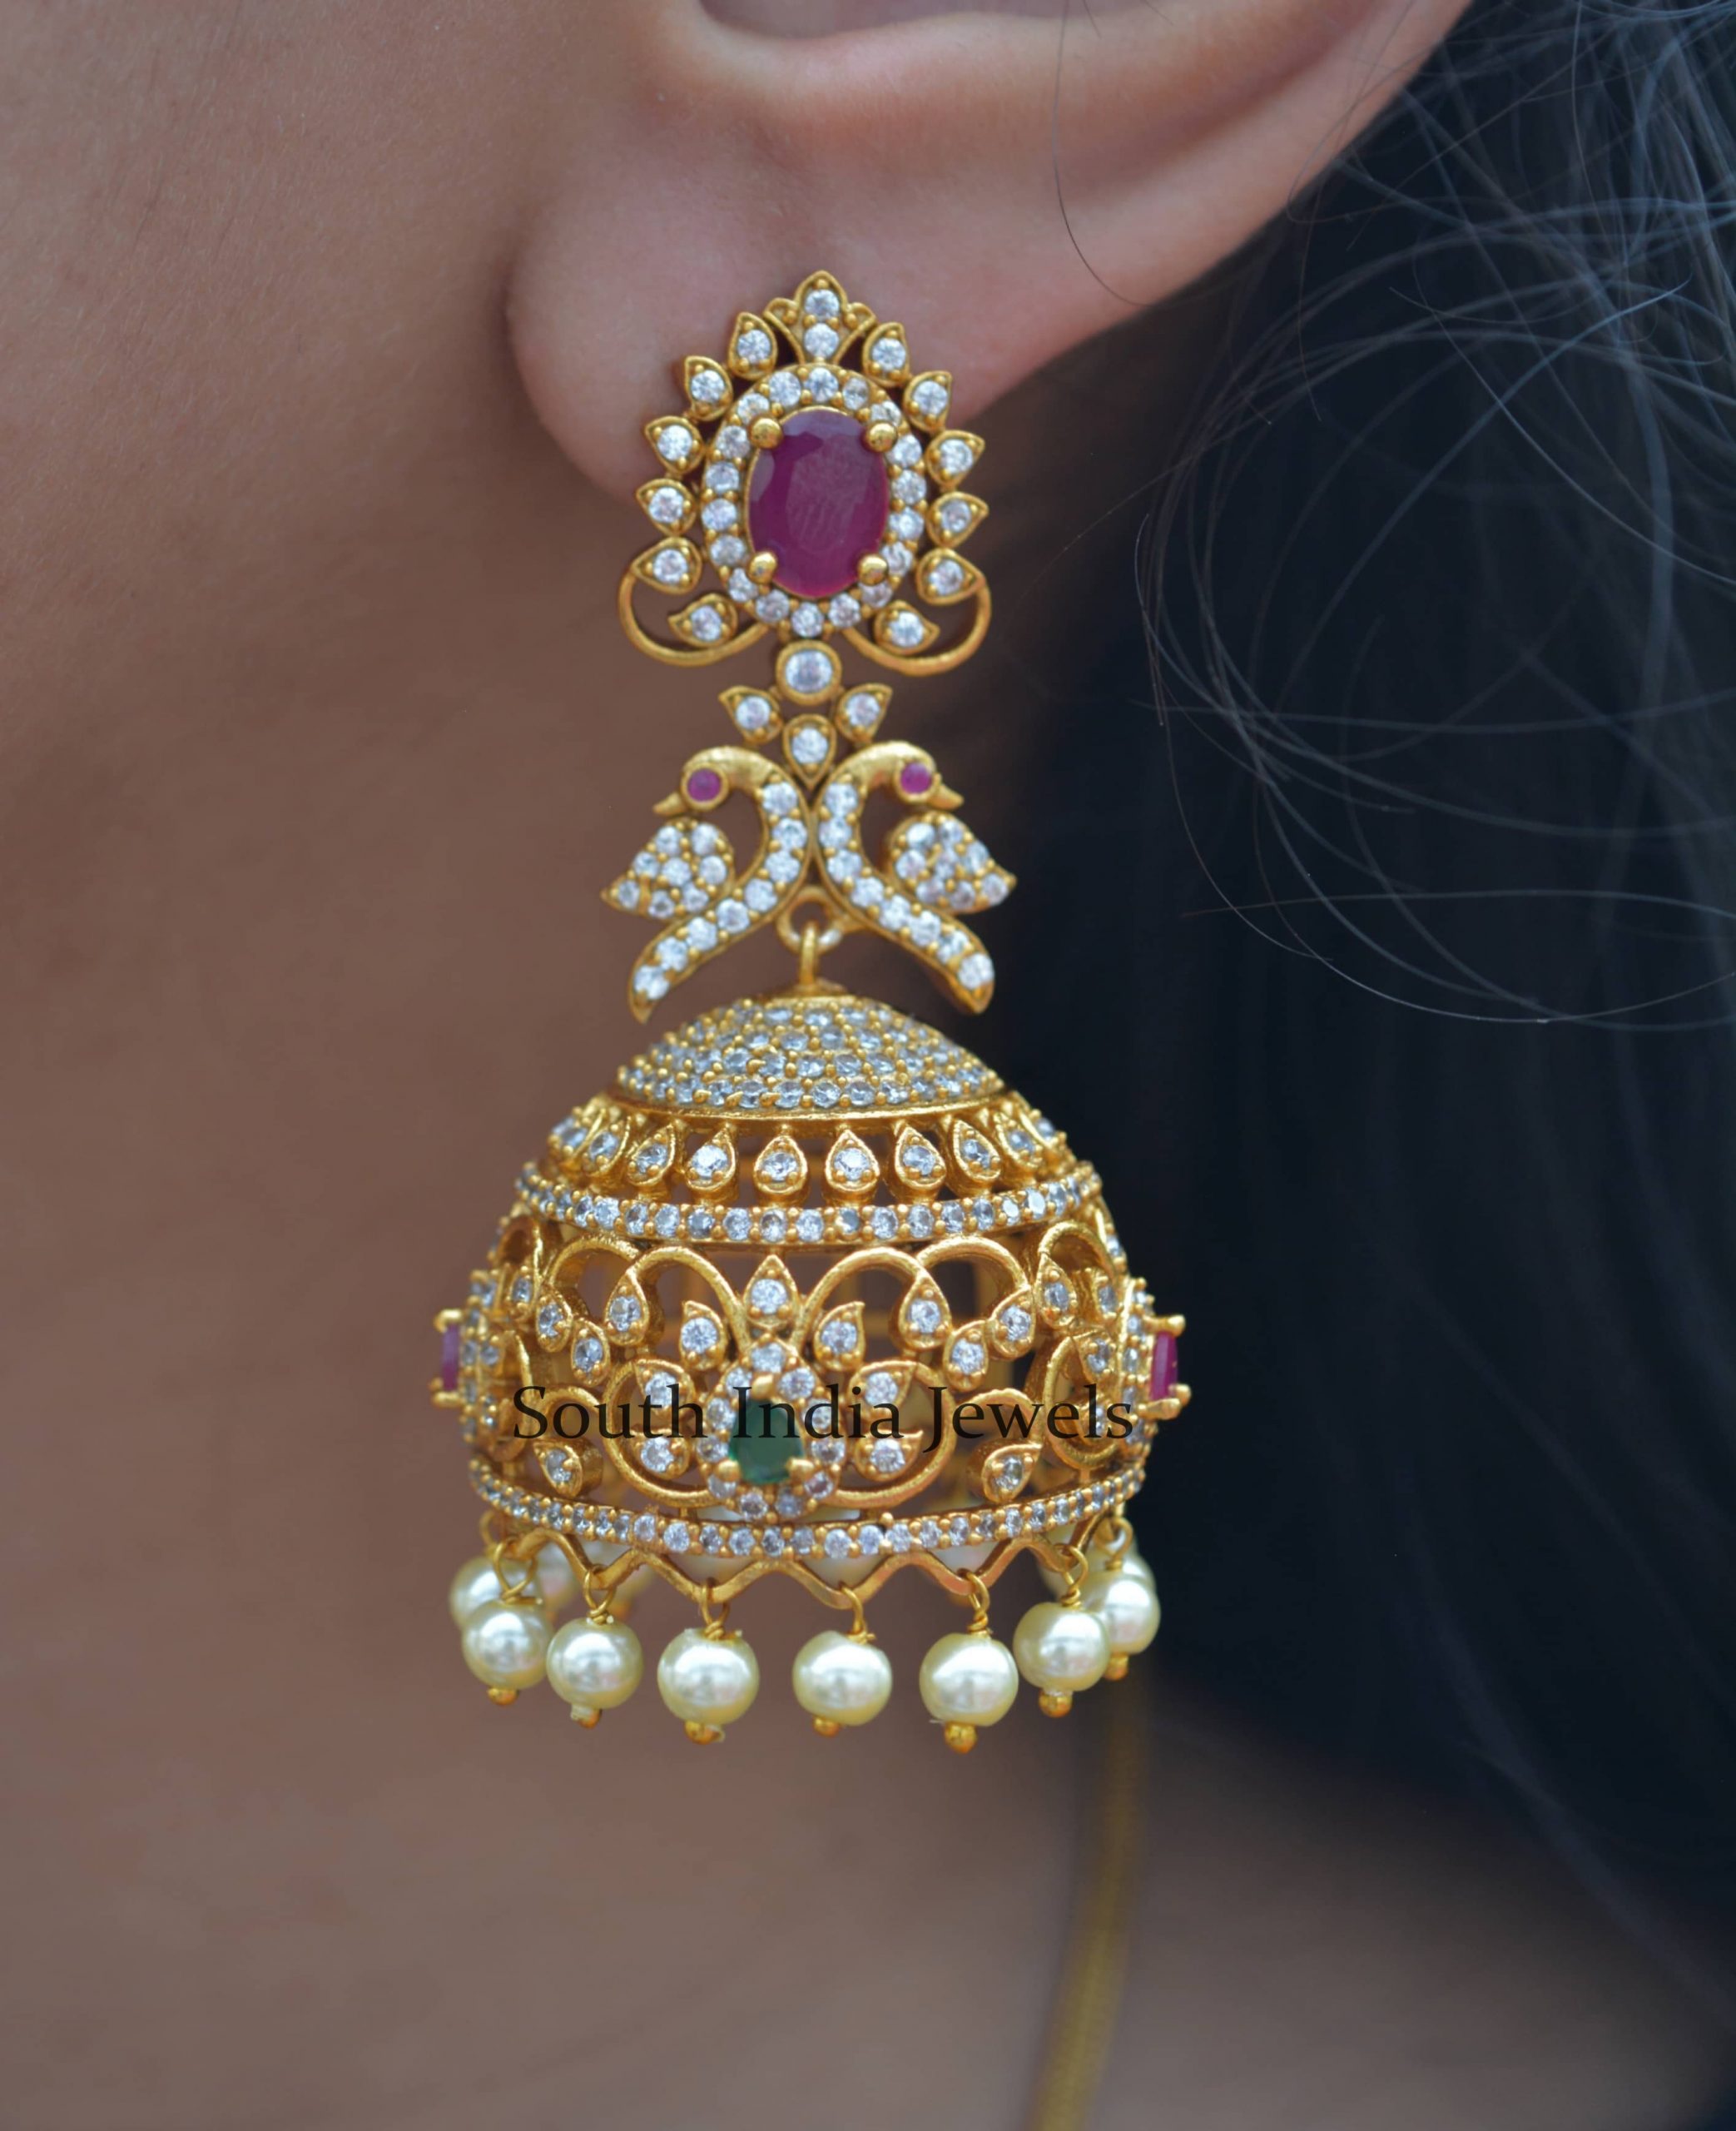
(810, 1290)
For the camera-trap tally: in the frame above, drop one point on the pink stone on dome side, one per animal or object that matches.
(818, 502)
(1163, 1365)
(704, 786)
(914, 779)
(448, 1357)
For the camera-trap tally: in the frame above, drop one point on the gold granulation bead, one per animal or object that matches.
(767, 434)
(872, 569)
(1055, 1705)
(1116, 1669)
(503, 1695)
(828, 1727)
(702, 1735)
(882, 436)
(590, 1718)
(763, 567)
(960, 1737)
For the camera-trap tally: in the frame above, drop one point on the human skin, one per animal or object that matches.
(319, 738)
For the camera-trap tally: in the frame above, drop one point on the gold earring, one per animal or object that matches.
(808, 1292)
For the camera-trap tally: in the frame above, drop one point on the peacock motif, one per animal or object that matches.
(686, 877)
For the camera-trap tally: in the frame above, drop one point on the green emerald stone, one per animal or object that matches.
(765, 1439)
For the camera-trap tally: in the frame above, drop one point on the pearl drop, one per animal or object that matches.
(968, 1679)
(1127, 1605)
(595, 1664)
(555, 1578)
(707, 1679)
(840, 1679)
(504, 1645)
(475, 1587)
(478, 1584)
(1061, 1649)
(1096, 1558)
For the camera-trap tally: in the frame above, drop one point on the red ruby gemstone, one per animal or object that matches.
(914, 779)
(448, 1357)
(704, 786)
(818, 501)
(1163, 1365)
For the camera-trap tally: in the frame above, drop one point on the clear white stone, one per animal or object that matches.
(954, 457)
(705, 388)
(753, 347)
(810, 745)
(733, 441)
(810, 672)
(929, 397)
(666, 504)
(889, 353)
(807, 620)
(675, 442)
(783, 388)
(820, 341)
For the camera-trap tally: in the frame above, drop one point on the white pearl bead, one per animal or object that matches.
(555, 1578)
(840, 1679)
(707, 1679)
(1127, 1605)
(478, 1584)
(595, 1664)
(504, 1645)
(475, 1587)
(1061, 1649)
(969, 1679)
(1098, 1558)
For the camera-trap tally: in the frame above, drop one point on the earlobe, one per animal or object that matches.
(1006, 186)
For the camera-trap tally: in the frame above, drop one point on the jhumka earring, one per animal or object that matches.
(808, 1292)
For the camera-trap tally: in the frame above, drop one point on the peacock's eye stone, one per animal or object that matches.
(818, 501)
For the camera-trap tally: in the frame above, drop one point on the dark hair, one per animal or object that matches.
(1401, 1016)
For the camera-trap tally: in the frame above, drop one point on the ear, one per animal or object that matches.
(1004, 186)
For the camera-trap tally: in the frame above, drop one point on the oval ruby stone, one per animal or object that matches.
(818, 501)
(913, 780)
(704, 786)
(448, 1357)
